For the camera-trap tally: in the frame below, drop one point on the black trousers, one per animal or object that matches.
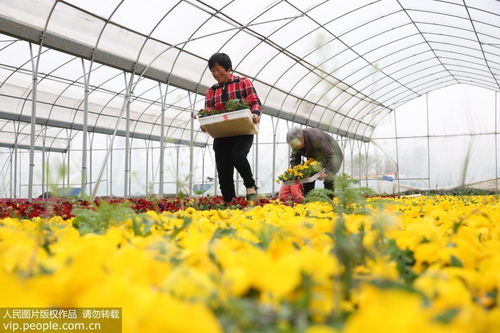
(308, 187)
(232, 153)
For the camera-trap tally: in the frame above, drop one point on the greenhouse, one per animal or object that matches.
(409, 89)
(101, 115)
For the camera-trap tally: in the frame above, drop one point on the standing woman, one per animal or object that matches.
(231, 152)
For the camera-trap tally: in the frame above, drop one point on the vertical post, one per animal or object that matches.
(20, 173)
(257, 159)
(34, 78)
(147, 166)
(274, 155)
(351, 146)
(85, 132)
(111, 173)
(107, 172)
(397, 150)
(216, 179)
(127, 146)
(47, 174)
(110, 147)
(191, 150)
(367, 147)
(152, 166)
(63, 161)
(177, 181)
(68, 152)
(44, 166)
(496, 142)
(203, 167)
(359, 162)
(162, 137)
(11, 175)
(344, 145)
(15, 164)
(89, 181)
(428, 142)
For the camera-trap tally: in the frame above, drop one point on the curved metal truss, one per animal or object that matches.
(341, 66)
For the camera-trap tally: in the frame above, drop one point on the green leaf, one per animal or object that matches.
(455, 262)
(97, 221)
(446, 316)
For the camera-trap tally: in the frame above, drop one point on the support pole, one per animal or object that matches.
(110, 147)
(111, 172)
(367, 148)
(15, 161)
(256, 160)
(177, 180)
(147, 166)
(496, 142)
(428, 142)
(68, 168)
(107, 172)
(85, 132)
(89, 181)
(34, 78)
(163, 98)
(274, 155)
(191, 150)
(126, 189)
(216, 179)
(397, 150)
(11, 175)
(44, 165)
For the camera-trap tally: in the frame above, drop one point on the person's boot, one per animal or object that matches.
(252, 193)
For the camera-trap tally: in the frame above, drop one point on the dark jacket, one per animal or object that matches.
(322, 147)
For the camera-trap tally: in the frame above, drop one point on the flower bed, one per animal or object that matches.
(24, 209)
(424, 264)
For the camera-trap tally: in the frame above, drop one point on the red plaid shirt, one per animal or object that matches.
(235, 88)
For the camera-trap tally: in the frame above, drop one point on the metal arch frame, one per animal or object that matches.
(26, 123)
(440, 85)
(279, 49)
(192, 103)
(408, 57)
(214, 15)
(426, 41)
(438, 72)
(396, 71)
(132, 87)
(372, 50)
(348, 47)
(76, 126)
(294, 117)
(34, 67)
(464, 81)
(37, 147)
(289, 68)
(481, 45)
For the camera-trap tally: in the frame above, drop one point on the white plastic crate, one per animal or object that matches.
(229, 124)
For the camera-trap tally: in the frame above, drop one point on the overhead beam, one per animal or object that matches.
(32, 34)
(94, 129)
(27, 147)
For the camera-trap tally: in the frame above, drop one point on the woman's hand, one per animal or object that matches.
(255, 119)
(322, 175)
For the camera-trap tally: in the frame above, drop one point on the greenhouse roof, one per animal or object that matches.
(338, 65)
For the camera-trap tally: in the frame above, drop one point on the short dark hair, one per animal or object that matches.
(220, 59)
